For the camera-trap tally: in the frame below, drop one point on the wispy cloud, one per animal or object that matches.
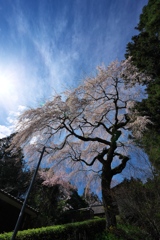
(50, 46)
(11, 122)
(4, 131)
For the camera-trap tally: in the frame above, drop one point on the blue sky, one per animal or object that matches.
(47, 45)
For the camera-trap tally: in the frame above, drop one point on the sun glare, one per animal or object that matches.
(6, 80)
(9, 78)
(6, 85)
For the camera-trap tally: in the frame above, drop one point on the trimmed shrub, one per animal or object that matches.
(73, 231)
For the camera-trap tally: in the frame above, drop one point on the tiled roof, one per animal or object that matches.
(98, 209)
(10, 199)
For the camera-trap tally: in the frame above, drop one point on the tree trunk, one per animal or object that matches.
(108, 201)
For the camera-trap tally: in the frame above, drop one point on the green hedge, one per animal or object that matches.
(72, 231)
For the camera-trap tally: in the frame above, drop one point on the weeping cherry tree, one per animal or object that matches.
(85, 130)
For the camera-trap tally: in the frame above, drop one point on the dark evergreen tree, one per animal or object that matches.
(145, 52)
(145, 47)
(13, 176)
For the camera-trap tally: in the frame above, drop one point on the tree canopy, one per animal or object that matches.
(85, 130)
(145, 47)
(145, 51)
(13, 178)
